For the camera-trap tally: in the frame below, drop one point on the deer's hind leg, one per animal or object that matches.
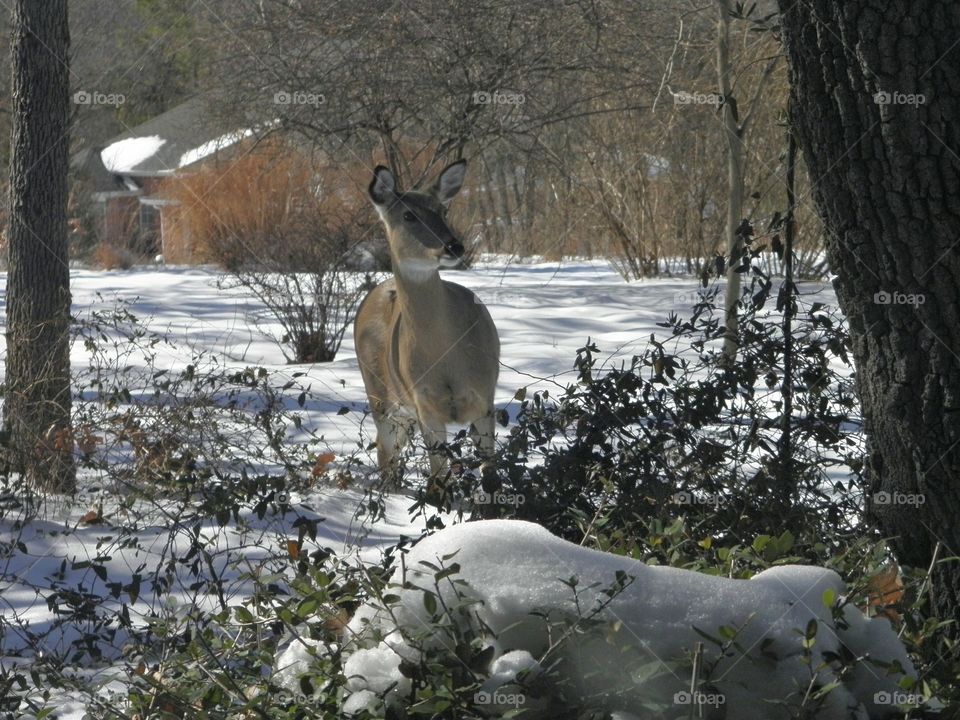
(483, 434)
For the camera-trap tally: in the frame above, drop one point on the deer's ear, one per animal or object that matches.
(383, 186)
(450, 181)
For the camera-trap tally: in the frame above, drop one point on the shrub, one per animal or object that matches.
(286, 232)
(106, 256)
(678, 430)
(218, 438)
(313, 304)
(669, 433)
(259, 208)
(150, 425)
(194, 455)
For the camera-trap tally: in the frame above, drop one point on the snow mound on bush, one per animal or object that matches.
(370, 674)
(636, 651)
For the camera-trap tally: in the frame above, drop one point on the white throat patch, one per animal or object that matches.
(416, 269)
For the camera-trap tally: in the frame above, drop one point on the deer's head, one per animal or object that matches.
(420, 239)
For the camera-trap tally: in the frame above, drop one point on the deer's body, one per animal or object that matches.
(428, 349)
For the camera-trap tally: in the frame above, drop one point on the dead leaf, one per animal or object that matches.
(293, 549)
(322, 464)
(884, 590)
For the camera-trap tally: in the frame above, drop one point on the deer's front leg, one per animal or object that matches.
(434, 436)
(392, 435)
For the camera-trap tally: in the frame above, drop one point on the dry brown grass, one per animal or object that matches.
(256, 208)
(111, 257)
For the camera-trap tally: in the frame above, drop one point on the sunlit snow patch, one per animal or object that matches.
(124, 155)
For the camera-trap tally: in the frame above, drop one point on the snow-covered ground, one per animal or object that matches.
(543, 311)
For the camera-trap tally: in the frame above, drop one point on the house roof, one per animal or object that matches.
(97, 179)
(168, 142)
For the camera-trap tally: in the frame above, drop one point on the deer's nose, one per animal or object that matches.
(455, 248)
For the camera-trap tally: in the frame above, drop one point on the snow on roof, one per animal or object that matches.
(640, 652)
(208, 148)
(124, 155)
(182, 136)
(165, 143)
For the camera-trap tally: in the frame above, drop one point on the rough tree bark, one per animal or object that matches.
(875, 107)
(37, 402)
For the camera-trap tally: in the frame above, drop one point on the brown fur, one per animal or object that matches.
(428, 349)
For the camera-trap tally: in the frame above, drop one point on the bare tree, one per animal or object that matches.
(37, 402)
(419, 82)
(661, 180)
(736, 121)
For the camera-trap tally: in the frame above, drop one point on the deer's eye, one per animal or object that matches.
(409, 216)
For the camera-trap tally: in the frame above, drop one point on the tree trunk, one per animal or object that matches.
(504, 193)
(874, 103)
(37, 402)
(734, 181)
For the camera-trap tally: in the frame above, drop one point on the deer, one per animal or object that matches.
(428, 350)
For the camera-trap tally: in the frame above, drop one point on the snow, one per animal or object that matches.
(124, 155)
(208, 148)
(657, 165)
(503, 690)
(513, 569)
(544, 312)
(372, 673)
(295, 660)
